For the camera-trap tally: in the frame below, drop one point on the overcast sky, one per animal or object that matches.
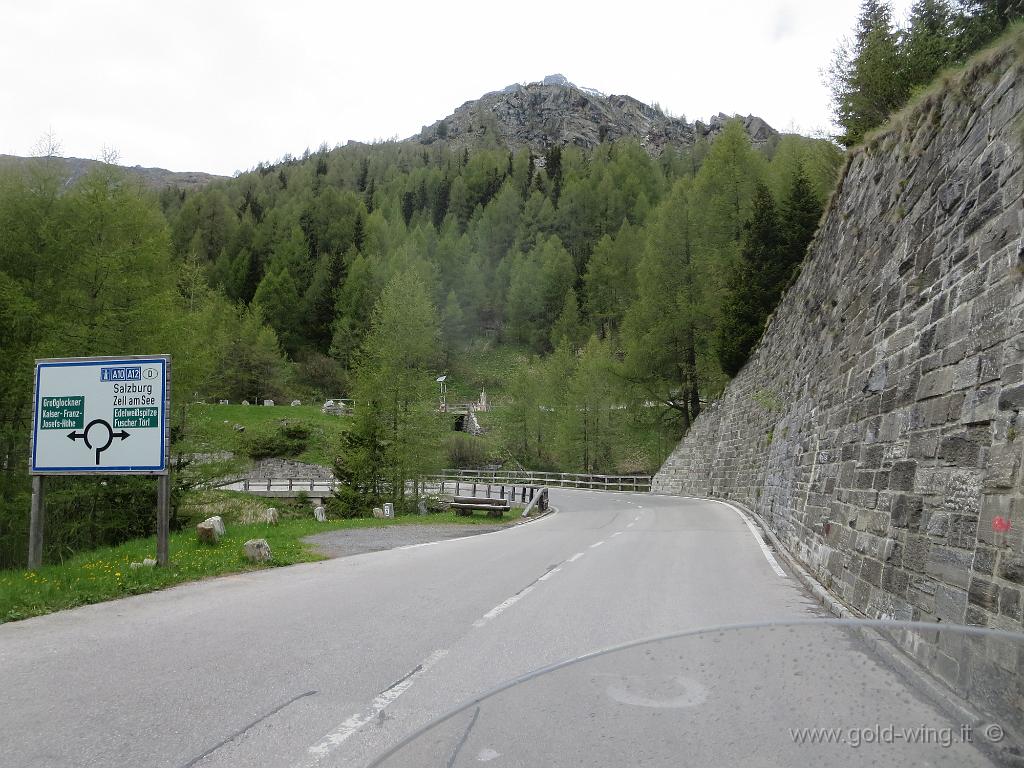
(219, 85)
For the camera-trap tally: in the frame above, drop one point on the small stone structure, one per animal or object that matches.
(320, 513)
(271, 516)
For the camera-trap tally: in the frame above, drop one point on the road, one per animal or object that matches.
(329, 663)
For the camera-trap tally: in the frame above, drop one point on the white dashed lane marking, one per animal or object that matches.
(348, 727)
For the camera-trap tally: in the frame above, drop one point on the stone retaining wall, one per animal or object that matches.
(877, 428)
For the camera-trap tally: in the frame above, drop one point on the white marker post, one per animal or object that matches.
(101, 416)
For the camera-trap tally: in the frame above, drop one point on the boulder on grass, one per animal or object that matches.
(378, 512)
(320, 513)
(210, 530)
(296, 402)
(149, 562)
(207, 533)
(271, 516)
(257, 551)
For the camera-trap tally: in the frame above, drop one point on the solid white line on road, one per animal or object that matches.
(592, 546)
(630, 525)
(352, 724)
(636, 518)
(617, 533)
(472, 535)
(575, 557)
(757, 537)
(428, 543)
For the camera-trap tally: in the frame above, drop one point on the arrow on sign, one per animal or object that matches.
(104, 426)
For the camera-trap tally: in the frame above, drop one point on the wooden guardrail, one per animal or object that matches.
(515, 493)
(637, 483)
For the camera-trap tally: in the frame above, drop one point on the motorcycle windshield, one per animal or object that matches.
(817, 693)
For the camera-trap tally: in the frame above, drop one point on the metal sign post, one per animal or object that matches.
(101, 416)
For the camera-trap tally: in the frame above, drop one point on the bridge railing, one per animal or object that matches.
(637, 483)
(518, 486)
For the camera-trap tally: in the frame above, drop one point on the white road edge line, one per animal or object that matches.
(757, 537)
(471, 536)
(630, 525)
(347, 727)
(592, 546)
(617, 533)
(575, 557)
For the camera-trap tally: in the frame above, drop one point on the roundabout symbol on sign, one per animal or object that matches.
(104, 433)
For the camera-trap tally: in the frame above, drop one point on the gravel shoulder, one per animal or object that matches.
(356, 541)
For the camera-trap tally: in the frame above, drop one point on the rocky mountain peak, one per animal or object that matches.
(555, 111)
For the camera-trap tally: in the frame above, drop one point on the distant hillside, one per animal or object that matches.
(556, 112)
(157, 178)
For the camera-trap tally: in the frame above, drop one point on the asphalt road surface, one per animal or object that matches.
(330, 663)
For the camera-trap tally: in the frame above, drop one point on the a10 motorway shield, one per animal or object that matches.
(101, 416)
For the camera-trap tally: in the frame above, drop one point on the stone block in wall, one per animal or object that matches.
(950, 603)
(901, 477)
(924, 444)
(964, 448)
(906, 511)
(1010, 603)
(990, 364)
(979, 405)
(984, 560)
(949, 565)
(1012, 398)
(984, 594)
(895, 581)
(921, 595)
(886, 605)
(938, 525)
(871, 571)
(961, 531)
(1012, 568)
(1006, 507)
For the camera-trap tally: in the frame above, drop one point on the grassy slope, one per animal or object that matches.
(210, 428)
(105, 574)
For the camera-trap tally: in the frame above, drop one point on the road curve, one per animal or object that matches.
(329, 663)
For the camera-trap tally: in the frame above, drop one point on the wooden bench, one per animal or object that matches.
(464, 505)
